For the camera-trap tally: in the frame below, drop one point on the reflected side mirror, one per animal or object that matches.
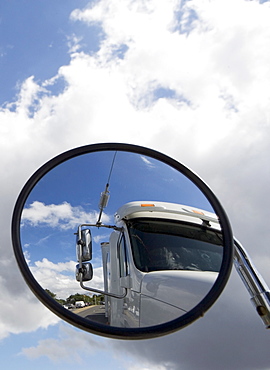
(86, 271)
(84, 245)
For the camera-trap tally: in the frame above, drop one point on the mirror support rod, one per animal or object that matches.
(81, 274)
(256, 286)
(101, 291)
(79, 232)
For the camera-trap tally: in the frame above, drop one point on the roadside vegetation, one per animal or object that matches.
(72, 299)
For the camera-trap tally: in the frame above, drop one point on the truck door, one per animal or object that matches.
(118, 276)
(130, 304)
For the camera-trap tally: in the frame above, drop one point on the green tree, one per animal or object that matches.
(59, 300)
(50, 293)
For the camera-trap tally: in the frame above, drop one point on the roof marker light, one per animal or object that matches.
(199, 212)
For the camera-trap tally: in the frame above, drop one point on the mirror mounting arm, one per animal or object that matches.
(101, 291)
(95, 225)
(254, 283)
(81, 275)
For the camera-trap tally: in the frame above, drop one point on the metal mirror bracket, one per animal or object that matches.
(81, 275)
(254, 283)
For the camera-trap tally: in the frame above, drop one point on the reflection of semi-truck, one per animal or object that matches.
(161, 260)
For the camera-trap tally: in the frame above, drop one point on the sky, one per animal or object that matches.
(187, 78)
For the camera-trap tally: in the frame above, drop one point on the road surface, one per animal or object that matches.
(94, 313)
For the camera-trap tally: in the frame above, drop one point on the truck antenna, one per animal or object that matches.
(105, 195)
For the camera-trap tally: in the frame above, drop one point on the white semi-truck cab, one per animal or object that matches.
(160, 261)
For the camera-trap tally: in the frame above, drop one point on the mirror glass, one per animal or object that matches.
(160, 256)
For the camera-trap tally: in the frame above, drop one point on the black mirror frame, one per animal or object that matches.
(98, 328)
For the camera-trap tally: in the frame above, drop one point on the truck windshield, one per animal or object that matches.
(167, 245)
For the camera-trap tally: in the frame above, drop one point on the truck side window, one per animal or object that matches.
(122, 255)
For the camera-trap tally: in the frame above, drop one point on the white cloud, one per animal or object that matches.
(62, 216)
(70, 345)
(147, 162)
(17, 307)
(57, 267)
(99, 238)
(60, 279)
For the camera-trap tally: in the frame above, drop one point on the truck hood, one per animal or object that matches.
(182, 289)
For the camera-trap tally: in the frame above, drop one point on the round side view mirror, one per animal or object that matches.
(152, 249)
